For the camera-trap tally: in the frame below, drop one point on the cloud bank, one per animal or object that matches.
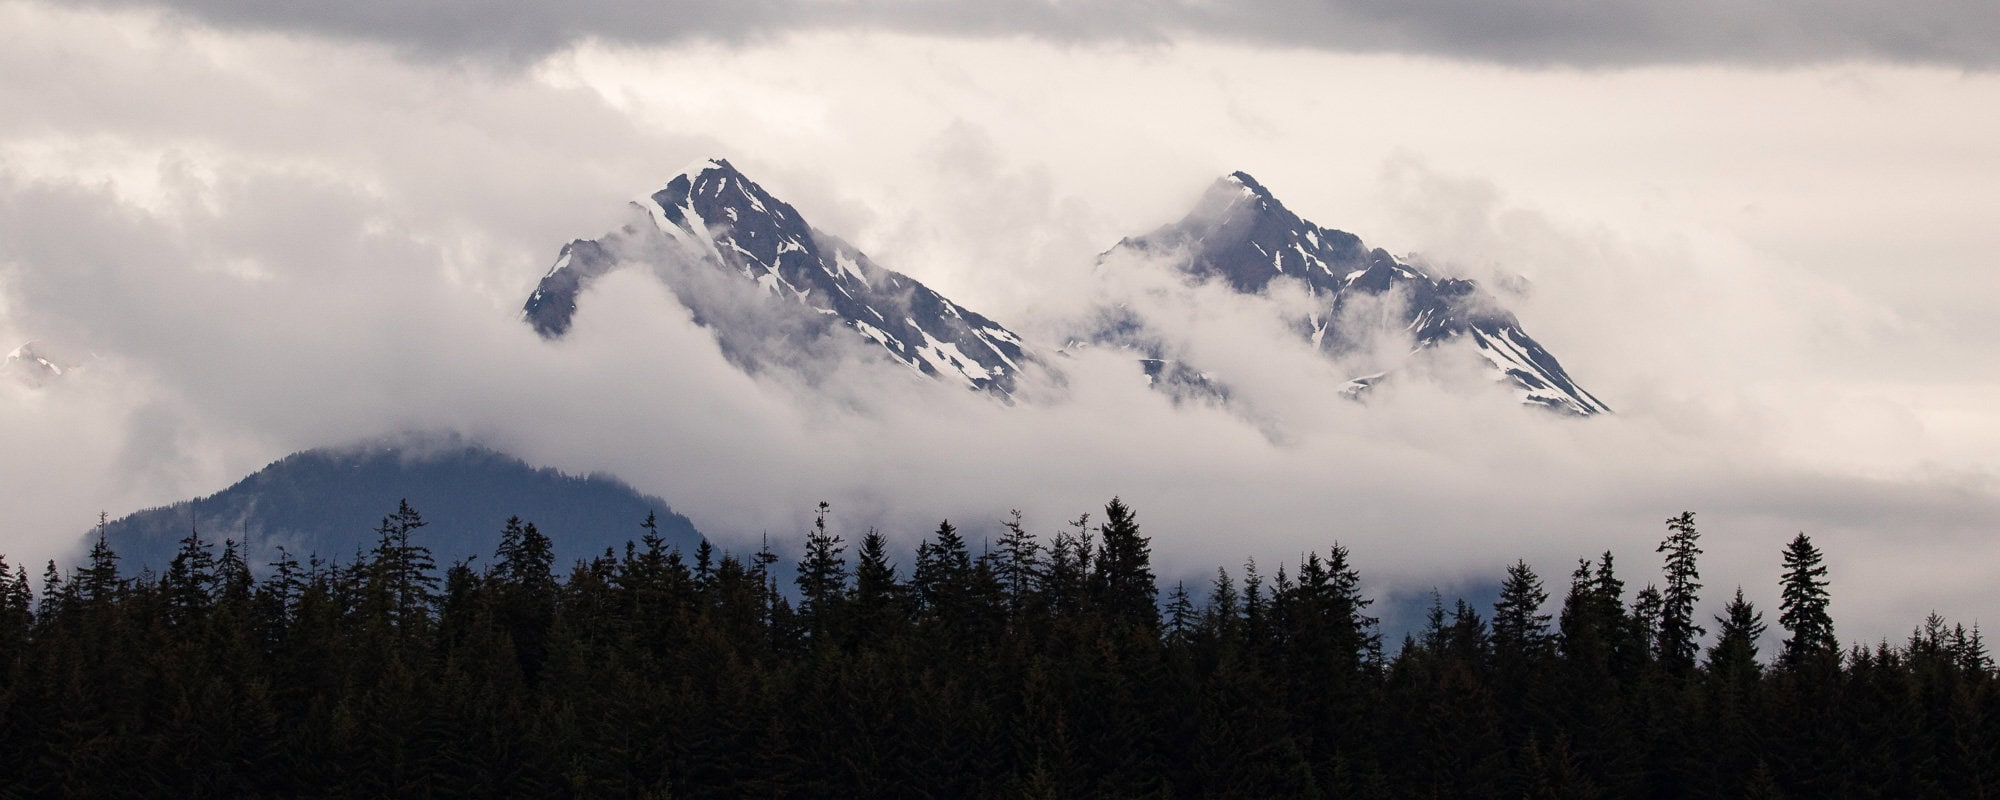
(273, 244)
(1533, 33)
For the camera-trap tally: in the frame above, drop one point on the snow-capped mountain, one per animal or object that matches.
(1241, 235)
(712, 220)
(35, 364)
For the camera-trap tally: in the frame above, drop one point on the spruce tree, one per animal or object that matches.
(1255, 607)
(1679, 637)
(942, 578)
(704, 562)
(1180, 613)
(1224, 613)
(17, 617)
(1020, 565)
(523, 576)
(1066, 582)
(400, 577)
(1124, 576)
(1733, 657)
(1581, 636)
(878, 601)
(189, 579)
(233, 583)
(98, 584)
(822, 578)
(53, 594)
(1355, 632)
(1644, 638)
(1802, 608)
(1520, 630)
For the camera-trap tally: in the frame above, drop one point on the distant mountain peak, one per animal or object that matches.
(1243, 180)
(1241, 234)
(37, 363)
(326, 502)
(719, 220)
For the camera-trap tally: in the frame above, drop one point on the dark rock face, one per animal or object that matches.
(553, 304)
(713, 220)
(1241, 235)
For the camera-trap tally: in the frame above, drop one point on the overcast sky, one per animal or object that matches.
(1765, 235)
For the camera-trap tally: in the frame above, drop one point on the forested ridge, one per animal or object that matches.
(1040, 667)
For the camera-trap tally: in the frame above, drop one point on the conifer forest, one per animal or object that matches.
(1035, 666)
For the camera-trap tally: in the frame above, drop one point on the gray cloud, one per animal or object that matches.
(1534, 33)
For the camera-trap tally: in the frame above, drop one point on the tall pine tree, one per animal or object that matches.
(1679, 636)
(1802, 608)
(1124, 577)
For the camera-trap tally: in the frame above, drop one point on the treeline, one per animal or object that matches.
(1033, 668)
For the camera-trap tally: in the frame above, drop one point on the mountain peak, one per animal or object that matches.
(1243, 179)
(695, 168)
(1229, 196)
(1240, 234)
(715, 218)
(36, 363)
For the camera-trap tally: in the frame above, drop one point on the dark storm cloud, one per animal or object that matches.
(1956, 33)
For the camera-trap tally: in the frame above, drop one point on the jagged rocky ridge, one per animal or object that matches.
(713, 224)
(713, 216)
(1242, 235)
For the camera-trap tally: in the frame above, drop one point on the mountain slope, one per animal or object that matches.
(329, 502)
(715, 217)
(1243, 236)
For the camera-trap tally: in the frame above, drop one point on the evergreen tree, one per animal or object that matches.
(822, 578)
(1520, 630)
(1679, 637)
(53, 594)
(1646, 611)
(704, 562)
(879, 602)
(1734, 654)
(1066, 583)
(1224, 613)
(943, 576)
(98, 584)
(524, 579)
(1973, 657)
(233, 583)
(17, 617)
(1180, 613)
(1802, 608)
(1583, 635)
(1355, 632)
(1020, 567)
(190, 578)
(777, 610)
(402, 575)
(1124, 576)
(1254, 605)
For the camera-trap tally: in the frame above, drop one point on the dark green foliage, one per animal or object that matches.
(822, 578)
(1679, 637)
(1802, 610)
(1520, 630)
(1124, 577)
(1024, 671)
(1734, 655)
